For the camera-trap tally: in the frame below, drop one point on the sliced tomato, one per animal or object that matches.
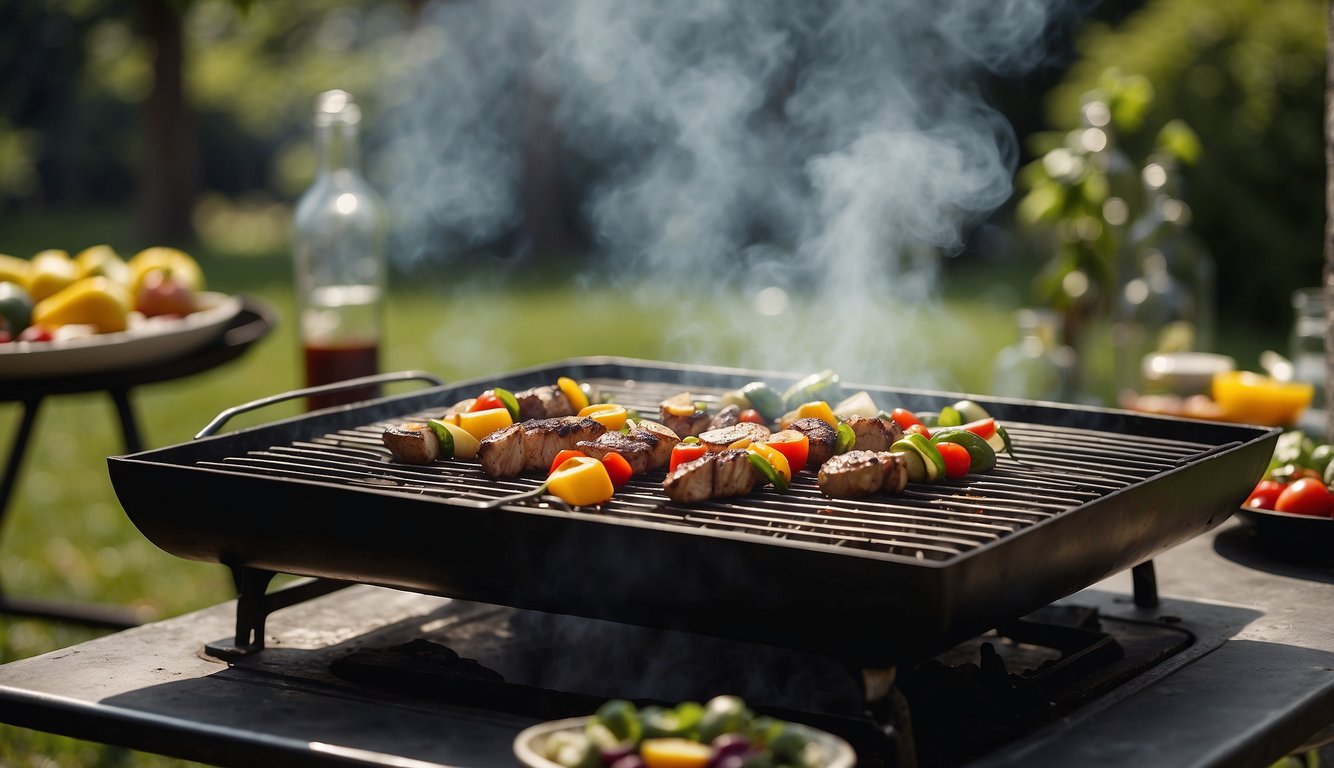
(956, 459)
(617, 468)
(753, 416)
(1307, 496)
(792, 444)
(684, 452)
(486, 401)
(983, 428)
(564, 456)
(1265, 494)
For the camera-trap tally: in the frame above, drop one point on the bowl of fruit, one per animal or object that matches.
(1293, 503)
(721, 733)
(94, 312)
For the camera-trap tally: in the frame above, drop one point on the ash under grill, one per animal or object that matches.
(1057, 469)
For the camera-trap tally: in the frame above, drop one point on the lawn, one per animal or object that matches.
(65, 535)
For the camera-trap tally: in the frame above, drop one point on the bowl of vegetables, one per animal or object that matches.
(1293, 503)
(721, 733)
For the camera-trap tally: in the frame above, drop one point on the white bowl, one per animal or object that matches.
(528, 744)
(1184, 373)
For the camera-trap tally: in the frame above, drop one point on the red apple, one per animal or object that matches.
(162, 293)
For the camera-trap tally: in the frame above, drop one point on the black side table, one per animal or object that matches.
(250, 325)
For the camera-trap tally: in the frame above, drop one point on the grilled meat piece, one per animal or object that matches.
(636, 452)
(730, 415)
(873, 434)
(543, 403)
(660, 440)
(412, 443)
(719, 439)
(711, 476)
(532, 445)
(862, 473)
(647, 445)
(823, 439)
(501, 452)
(678, 412)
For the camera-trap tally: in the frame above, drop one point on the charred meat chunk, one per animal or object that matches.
(412, 443)
(660, 440)
(873, 434)
(532, 445)
(823, 439)
(711, 476)
(681, 416)
(728, 416)
(636, 452)
(543, 403)
(720, 439)
(862, 473)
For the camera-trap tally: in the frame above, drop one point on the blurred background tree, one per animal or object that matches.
(1248, 77)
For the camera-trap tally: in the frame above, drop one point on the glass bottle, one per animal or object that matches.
(1036, 366)
(1307, 341)
(338, 253)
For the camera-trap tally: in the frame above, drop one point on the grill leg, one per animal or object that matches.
(888, 708)
(254, 604)
(1145, 582)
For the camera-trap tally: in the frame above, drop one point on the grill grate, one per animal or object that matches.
(1059, 469)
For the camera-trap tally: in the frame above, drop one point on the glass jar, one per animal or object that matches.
(1036, 366)
(338, 254)
(1307, 342)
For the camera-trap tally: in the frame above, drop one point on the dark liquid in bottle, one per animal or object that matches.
(339, 362)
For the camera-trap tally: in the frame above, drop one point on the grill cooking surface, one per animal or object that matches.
(872, 581)
(1056, 469)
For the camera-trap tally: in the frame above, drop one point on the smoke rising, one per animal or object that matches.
(831, 149)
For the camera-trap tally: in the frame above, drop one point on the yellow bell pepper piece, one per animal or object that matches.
(177, 262)
(818, 409)
(774, 457)
(609, 415)
(50, 272)
(92, 301)
(581, 481)
(1252, 398)
(570, 388)
(479, 424)
(14, 270)
(675, 753)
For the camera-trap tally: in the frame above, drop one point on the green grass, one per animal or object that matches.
(66, 537)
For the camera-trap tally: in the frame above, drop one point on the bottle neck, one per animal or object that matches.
(336, 148)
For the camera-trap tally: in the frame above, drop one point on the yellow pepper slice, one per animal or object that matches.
(104, 261)
(774, 457)
(817, 409)
(91, 301)
(609, 415)
(179, 263)
(570, 388)
(479, 424)
(581, 481)
(15, 270)
(675, 753)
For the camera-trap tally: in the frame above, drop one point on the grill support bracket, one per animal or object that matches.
(254, 603)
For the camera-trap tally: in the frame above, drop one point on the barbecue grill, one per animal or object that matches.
(872, 582)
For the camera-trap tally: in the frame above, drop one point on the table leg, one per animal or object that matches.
(93, 615)
(129, 426)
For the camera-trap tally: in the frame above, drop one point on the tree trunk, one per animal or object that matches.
(169, 173)
(1328, 281)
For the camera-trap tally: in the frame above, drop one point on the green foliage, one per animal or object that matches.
(1248, 77)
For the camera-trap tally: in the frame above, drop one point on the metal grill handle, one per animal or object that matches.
(338, 386)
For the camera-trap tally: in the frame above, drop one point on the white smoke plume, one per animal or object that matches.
(825, 151)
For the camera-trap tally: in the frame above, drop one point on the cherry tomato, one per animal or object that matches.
(956, 458)
(562, 457)
(792, 444)
(983, 428)
(617, 468)
(684, 452)
(906, 420)
(486, 401)
(1265, 494)
(752, 415)
(917, 429)
(1307, 496)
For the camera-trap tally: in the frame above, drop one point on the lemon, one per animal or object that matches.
(177, 262)
(50, 272)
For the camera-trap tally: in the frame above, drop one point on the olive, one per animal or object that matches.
(621, 718)
(723, 714)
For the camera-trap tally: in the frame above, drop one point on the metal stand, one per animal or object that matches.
(254, 604)
(251, 324)
(1145, 582)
